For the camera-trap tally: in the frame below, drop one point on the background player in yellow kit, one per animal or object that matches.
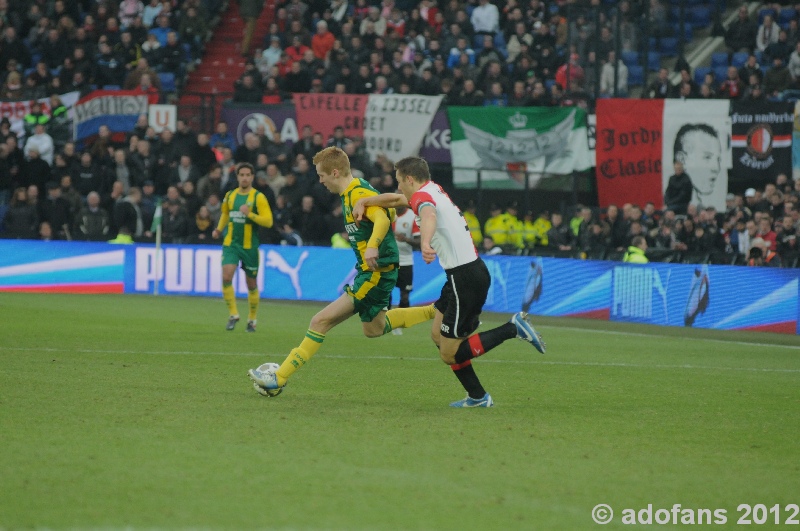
(243, 210)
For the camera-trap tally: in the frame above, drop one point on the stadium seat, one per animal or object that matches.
(635, 76)
(688, 31)
(669, 46)
(27, 72)
(548, 84)
(630, 58)
(719, 59)
(653, 61)
(700, 16)
(720, 73)
(111, 87)
(739, 59)
(700, 74)
(763, 12)
(786, 15)
(477, 42)
(167, 81)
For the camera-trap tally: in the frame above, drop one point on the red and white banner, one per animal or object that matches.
(15, 111)
(628, 151)
(638, 140)
(391, 124)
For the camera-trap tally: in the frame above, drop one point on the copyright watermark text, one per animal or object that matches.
(745, 514)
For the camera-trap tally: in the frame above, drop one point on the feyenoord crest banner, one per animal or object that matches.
(762, 140)
(506, 143)
(391, 124)
(638, 141)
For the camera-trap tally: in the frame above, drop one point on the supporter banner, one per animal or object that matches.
(243, 119)
(505, 143)
(395, 124)
(628, 151)
(324, 112)
(117, 109)
(701, 296)
(698, 132)
(638, 140)
(391, 124)
(436, 146)
(15, 111)
(761, 140)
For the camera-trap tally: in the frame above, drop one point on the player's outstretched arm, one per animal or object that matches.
(382, 200)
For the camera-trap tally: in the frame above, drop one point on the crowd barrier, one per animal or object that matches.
(702, 296)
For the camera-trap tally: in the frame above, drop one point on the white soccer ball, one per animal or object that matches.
(272, 368)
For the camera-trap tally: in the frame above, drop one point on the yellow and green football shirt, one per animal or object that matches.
(359, 235)
(241, 229)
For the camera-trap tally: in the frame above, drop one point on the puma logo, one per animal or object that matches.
(275, 260)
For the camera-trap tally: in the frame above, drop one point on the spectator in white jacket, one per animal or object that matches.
(794, 65)
(767, 33)
(485, 18)
(607, 77)
(41, 142)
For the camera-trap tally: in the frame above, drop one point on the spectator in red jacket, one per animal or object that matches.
(322, 41)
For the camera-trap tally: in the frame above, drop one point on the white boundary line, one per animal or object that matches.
(401, 358)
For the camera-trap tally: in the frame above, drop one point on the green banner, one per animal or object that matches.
(505, 144)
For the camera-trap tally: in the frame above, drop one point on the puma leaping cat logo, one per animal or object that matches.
(275, 260)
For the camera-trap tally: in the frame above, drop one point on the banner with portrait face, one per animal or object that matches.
(698, 134)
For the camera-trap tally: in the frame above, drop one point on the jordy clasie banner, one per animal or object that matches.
(638, 140)
(628, 151)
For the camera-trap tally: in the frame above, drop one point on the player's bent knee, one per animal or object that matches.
(370, 333)
(448, 357)
(318, 323)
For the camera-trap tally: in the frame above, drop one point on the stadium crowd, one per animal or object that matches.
(477, 53)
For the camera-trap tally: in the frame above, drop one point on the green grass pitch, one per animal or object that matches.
(136, 412)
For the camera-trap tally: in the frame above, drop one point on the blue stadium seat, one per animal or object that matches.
(669, 46)
(786, 15)
(721, 73)
(759, 55)
(27, 72)
(635, 76)
(763, 12)
(548, 84)
(477, 42)
(739, 59)
(167, 81)
(700, 16)
(700, 74)
(111, 87)
(653, 61)
(630, 58)
(719, 59)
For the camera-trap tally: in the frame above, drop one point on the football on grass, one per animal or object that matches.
(268, 367)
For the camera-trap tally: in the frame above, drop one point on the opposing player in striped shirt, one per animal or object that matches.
(444, 233)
